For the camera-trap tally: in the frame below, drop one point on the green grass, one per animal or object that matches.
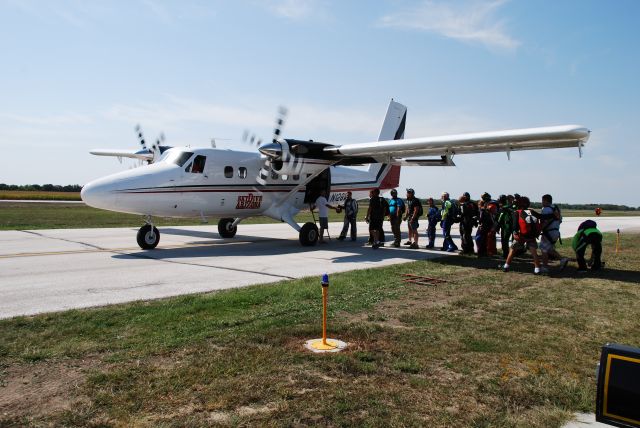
(33, 215)
(483, 349)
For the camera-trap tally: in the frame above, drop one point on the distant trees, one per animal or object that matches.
(42, 188)
(590, 207)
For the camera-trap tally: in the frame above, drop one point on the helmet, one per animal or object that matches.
(467, 195)
(410, 190)
(485, 197)
(394, 192)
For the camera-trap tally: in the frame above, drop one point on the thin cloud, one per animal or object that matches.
(469, 21)
(294, 10)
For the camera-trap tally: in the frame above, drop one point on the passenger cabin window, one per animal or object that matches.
(242, 172)
(198, 164)
(228, 171)
(296, 177)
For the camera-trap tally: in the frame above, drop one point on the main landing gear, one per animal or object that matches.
(309, 234)
(148, 237)
(227, 227)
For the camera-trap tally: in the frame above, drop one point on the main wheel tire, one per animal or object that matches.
(308, 235)
(224, 228)
(148, 237)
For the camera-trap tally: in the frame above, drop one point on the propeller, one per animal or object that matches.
(155, 147)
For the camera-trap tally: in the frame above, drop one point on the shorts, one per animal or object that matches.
(375, 225)
(324, 222)
(523, 245)
(414, 225)
(547, 245)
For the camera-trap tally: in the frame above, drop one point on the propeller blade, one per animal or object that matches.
(140, 136)
(280, 119)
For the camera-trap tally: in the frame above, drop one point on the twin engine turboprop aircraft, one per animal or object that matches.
(287, 174)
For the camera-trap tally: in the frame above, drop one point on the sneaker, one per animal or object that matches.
(414, 246)
(381, 244)
(429, 247)
(563, 263)
(544, 270)
(341, 238)
(396, 244)
(407, 243)
(375, 246)
(504, 268)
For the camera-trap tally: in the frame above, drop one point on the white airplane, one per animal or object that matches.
(287, 175)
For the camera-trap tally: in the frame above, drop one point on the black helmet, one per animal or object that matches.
(467, 195)
(394, 192)
(485, 197)
(502, 199)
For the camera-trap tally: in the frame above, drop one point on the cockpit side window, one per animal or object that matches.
(178, 158)
(198, 164)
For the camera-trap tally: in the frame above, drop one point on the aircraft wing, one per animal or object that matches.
(551, 137)
(146, 155)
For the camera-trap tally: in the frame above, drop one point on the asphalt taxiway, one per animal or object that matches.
(54, 270)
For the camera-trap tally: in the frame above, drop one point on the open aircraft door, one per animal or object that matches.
(315, 186)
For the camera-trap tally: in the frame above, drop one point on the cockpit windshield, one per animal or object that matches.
(176, 157)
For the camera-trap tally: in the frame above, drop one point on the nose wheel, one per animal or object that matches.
(148, 237)
(227, 228)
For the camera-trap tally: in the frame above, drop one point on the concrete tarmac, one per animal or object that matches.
(59, 269)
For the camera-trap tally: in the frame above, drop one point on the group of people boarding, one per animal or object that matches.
(520, 228)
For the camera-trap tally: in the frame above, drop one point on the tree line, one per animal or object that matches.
(42, 187)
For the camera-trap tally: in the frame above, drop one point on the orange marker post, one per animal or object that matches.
(325, 344)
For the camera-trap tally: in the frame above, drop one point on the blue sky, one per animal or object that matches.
(78, 75)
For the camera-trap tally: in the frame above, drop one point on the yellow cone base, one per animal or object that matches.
(332, 345)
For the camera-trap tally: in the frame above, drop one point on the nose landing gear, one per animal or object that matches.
(148, 237)
(227, 227)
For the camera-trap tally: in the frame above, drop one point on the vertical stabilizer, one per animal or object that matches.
(394, 122)
(392, 129)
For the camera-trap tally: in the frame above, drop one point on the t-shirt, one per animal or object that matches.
(377, 208)
(321, 204)
(396, 207)
(412, 204)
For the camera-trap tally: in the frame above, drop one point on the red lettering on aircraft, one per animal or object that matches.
(249, 202)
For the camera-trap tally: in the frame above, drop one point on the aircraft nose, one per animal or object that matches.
(98, 194)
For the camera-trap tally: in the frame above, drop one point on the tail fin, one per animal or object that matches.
(392, 129)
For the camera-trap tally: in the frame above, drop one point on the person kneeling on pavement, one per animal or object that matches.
(588, 235)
